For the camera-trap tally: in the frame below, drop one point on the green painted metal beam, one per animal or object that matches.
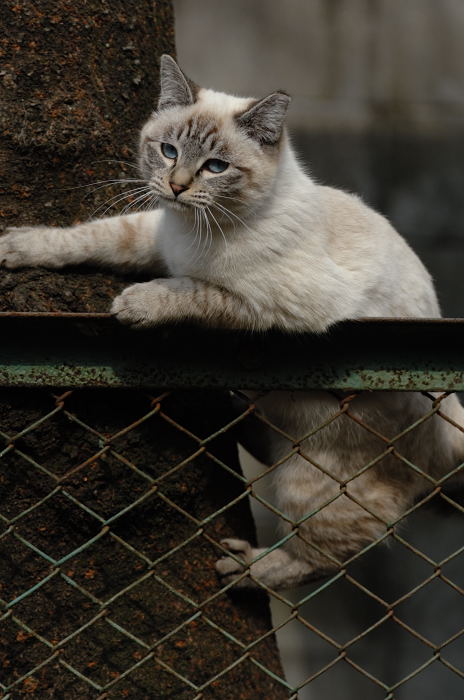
(76, 350)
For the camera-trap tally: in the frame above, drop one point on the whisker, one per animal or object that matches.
(127, 193)
(226, 210)
(153, 202)
(198, 232)
(218, 225)
(202, 240)
(141, 198)
(199, 245)
(234, 199)
(119, 162)
(225, 213)
(116, 199)
(103, 183)
(193, 229)
(149, 204)
(112, 201)
(210, 232)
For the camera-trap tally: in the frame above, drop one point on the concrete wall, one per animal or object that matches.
(350, 64)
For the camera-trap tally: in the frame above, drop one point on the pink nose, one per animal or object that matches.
(177, 189)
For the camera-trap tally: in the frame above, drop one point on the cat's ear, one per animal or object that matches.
(176, 90)
(264, 120)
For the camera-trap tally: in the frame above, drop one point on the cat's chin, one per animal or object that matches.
(176, 205)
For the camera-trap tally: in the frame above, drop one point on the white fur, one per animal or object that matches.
(220, 103)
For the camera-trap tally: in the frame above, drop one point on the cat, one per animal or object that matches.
(242, 237)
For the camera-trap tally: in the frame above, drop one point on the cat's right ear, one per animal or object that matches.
(176, 90)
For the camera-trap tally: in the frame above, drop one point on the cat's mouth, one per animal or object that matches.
(177, 204)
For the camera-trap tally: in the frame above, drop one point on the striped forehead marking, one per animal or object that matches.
(199, 131)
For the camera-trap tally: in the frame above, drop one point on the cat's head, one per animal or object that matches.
(203, 148)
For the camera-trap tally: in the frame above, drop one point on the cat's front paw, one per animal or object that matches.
(13, 251)
(24, 246)
(229, 569)
(141, 305)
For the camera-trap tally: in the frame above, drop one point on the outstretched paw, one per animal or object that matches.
(231, 568)
(12, 253)
(26, 246)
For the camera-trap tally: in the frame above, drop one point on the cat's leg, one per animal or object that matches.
(275, 570)
(321, 545)
(183, 298)
(124, 242)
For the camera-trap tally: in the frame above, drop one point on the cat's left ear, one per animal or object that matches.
(176, 90)
(264, 120)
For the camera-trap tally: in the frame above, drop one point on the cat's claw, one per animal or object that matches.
(228, 568)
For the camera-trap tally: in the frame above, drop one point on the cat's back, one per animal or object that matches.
(352, 226)
(361, 240)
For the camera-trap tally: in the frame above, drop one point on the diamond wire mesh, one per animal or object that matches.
(106, 490)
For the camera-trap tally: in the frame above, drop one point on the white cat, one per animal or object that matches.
(243, 238)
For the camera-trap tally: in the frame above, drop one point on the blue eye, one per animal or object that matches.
(168, 150)
(214, 165)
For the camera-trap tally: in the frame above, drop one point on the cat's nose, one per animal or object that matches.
(177, 189)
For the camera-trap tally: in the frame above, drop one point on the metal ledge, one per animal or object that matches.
(79, 350)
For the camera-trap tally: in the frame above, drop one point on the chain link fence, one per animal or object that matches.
(97, 603)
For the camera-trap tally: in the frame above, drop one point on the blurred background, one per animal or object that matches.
(378, 109)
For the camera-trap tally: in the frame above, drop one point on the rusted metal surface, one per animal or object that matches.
(77, 350)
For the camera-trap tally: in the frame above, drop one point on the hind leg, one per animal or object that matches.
(277, 569)
(321, 545)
